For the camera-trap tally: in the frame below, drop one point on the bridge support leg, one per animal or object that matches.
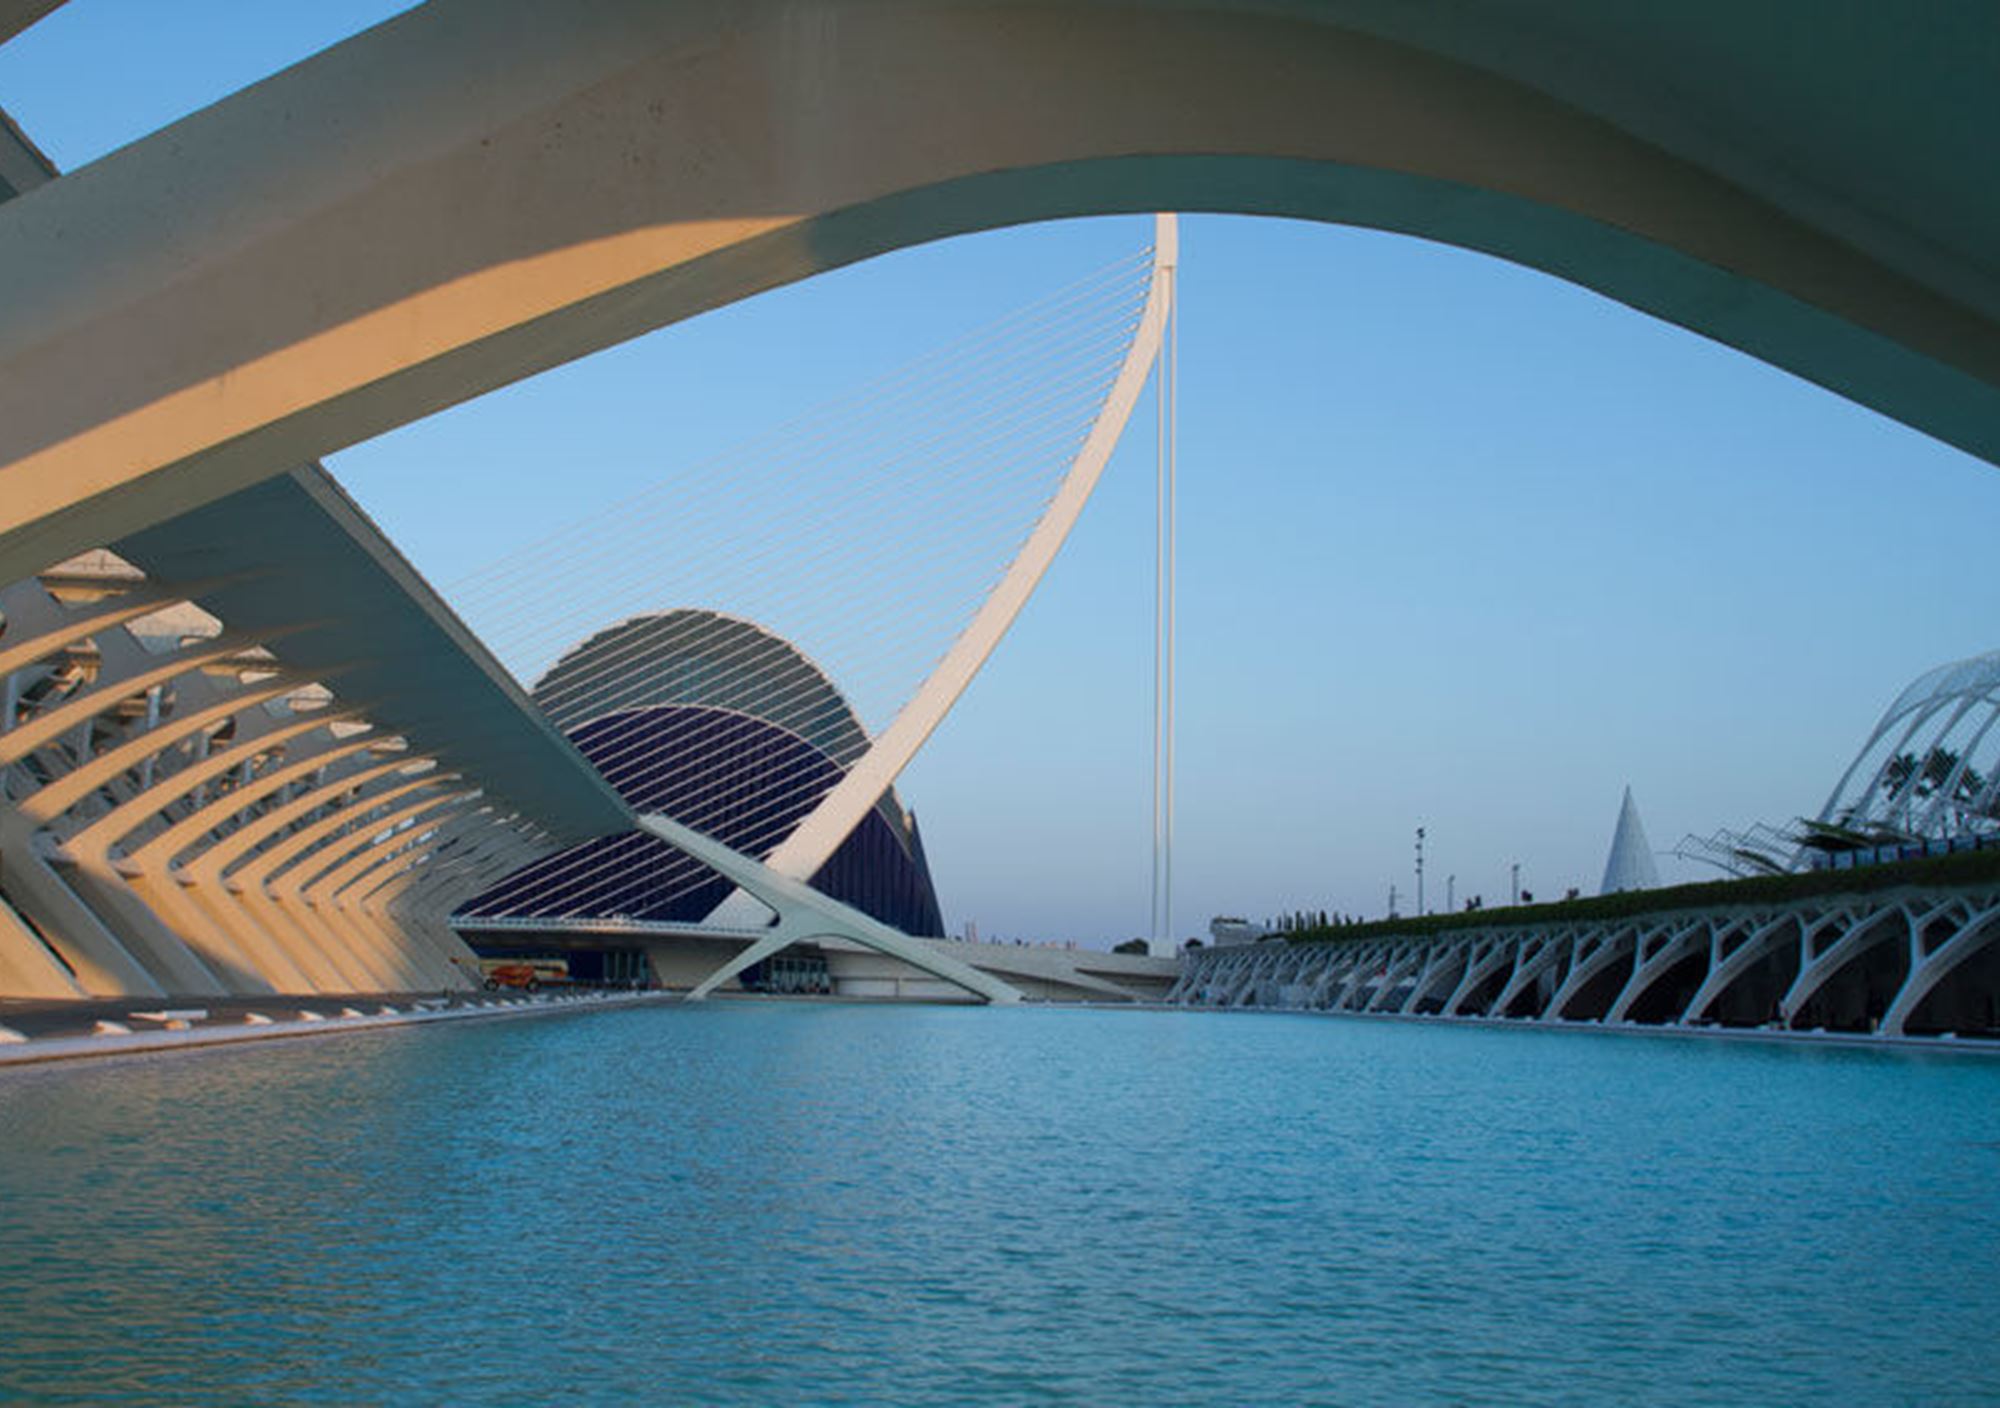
(804, 913)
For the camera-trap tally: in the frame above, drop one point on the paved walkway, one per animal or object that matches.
(34, 1032)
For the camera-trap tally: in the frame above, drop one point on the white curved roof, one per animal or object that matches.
(694, 655)
(1931, 765)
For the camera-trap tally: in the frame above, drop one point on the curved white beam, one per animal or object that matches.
(297, 268)
(96, 839)
(818, 836)
(209, 865)
(60, 794)
(51, 724)
(39, 625)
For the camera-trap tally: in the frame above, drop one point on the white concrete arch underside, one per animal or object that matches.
(297, 268)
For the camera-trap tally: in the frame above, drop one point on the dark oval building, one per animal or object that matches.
(732, 730)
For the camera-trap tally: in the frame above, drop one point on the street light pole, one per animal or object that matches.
(1420, 872)
(1514, 871)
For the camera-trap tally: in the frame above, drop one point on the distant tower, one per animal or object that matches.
(1630, 864)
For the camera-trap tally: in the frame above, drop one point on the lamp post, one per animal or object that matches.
(1514, 872)
(1420, 872)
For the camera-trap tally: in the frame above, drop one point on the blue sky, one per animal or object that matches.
(1462, 546)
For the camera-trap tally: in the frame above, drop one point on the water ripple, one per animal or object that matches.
(855, 1205)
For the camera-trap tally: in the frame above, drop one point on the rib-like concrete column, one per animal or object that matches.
(1444, 974)
(419, 899)
(51, 724)
(200, 882)
(223, 965)
(97, 839)
(107, 964)
(57, 796)
(1867, 930)
(459, 846)
(27, 969)
(454, 844)
(1651, 960)
(1725, 968)
(1976, 931)
(302, 890)
(204, 882)
(38, 625)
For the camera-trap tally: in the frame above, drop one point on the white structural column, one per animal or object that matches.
(1971, 931)
(223, 897)
(418, 898)
(38, 625)
(344, 899)
(1730, 964)
(140, 887)
(243, 897)
(50, 725)
(1653, 955)
(1878, 964)
(307, 890)
(28, 967)
(804, 913)
(60, 794)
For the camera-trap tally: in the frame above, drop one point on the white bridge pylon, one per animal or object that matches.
(804, 913)
(779, 881)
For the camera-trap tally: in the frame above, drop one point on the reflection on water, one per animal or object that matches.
(841, 1204)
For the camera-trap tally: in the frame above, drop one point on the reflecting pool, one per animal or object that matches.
(758, 1203)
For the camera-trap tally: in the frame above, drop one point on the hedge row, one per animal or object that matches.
(1964, 868)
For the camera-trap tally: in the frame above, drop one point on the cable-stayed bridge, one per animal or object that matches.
(815, 604)
(250, 751)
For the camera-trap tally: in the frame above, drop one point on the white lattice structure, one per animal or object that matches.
(250, 753)
(1926, 781)
(1931, 767)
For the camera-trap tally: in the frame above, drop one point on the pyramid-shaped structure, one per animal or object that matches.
(1630, 864)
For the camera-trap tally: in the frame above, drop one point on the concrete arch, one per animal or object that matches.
(1442, 976)
(1658, 954)
(95, 841)
(1760, 943)
(85, 705)
(1976, 931)
(480, 189)
(1486, 964)
(208, 866)
(38, 625)
(224, 899)
(1596, 955)
(60, 794)
(1819, 968)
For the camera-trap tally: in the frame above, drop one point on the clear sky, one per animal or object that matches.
(1462, 546)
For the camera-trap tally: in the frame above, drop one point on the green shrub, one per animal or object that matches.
(1965, 868)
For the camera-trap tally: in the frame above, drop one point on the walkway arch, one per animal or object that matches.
(480, 189)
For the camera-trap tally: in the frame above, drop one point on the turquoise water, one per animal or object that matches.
(841, 1204)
